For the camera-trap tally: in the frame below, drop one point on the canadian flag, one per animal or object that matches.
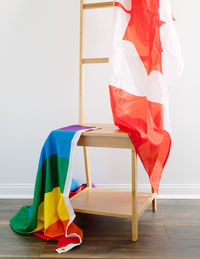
(145, 62)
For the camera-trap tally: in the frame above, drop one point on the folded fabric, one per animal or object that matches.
(51, 214)
(74, 185)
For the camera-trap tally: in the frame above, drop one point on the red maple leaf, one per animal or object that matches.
(143, 31)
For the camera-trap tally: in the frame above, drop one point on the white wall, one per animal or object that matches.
(39, 62)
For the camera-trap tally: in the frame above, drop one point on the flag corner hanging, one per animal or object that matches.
(146, 60)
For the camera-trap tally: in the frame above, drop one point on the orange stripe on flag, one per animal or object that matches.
(58, 228)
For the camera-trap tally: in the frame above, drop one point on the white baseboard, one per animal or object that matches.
(167, 191)
(16, 191)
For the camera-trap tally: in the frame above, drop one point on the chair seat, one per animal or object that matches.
(107, 135)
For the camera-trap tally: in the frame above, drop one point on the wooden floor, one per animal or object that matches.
(172, 232)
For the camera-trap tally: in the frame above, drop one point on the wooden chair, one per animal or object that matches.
(128, 204)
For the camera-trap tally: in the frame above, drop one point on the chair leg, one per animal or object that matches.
(87, 167)
(154, 202)
(134, 197)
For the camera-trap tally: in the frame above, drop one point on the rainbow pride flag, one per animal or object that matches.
(51, 214)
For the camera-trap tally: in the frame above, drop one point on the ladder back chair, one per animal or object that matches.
(103, 201)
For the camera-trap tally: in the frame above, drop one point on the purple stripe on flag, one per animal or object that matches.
(76, 127)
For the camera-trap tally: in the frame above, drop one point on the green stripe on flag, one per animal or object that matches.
(52, 174)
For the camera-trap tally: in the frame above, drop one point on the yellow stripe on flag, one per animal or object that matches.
(52, 209)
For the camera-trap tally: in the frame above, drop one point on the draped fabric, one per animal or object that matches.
(146, 60)
(51, 214)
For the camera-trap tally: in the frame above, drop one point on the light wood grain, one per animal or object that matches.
(106, 136)
(81, 98)
(87, 167)
(98, 5)
(98, 201)
(110, 202)
(108, 142)
(145, 204)
(154, 201)
(94, 60)
(105, 130)
(79, 193)
(135, 199)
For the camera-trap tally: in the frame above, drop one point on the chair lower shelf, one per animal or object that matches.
(110, 202)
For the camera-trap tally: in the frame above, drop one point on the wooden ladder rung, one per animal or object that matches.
(98, 5)
(94, 60)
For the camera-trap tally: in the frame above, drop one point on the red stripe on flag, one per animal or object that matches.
(121, 6)
(143, 31)
(143, 120)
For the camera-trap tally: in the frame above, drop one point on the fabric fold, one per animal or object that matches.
(146, 60)
(51, 214)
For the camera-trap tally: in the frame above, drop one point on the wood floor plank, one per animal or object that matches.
(174, 211)
(183, 231)
(8, 235)
(115, 228)
(172, 232)
(13, 250)
(170, 249)
(8, 208)
(14, 245)
(18, 257)
(180, 210)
